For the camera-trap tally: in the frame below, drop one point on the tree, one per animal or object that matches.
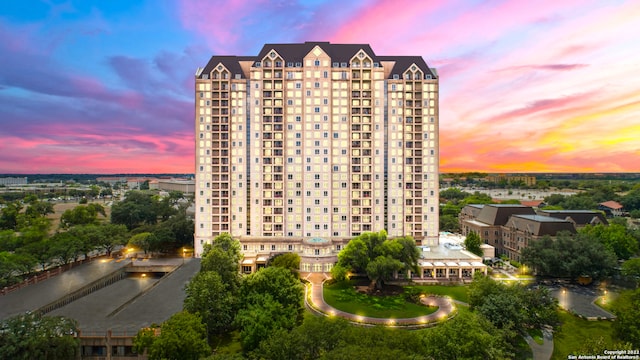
(109, 236)
(33, 336)
(81, 215)
(290, 261)
(209, 297)
(570, 256)
(615, 237)
(627, 310)
(631, 268)
(472, 243)
(144, 241)
(183, 336)
(65, 247)
(261, 316)
(223, 257)
(378, 256)
(9, 215)
(354, 256)
(467, 336)
(136, 209)
(270, 299)
(279, 283)
(382, 269)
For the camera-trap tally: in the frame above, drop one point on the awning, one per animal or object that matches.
(426, 264)
(248, 261)
(439, 264)
(452, 264)
(262, 259)
(464, 264)
(478, 264)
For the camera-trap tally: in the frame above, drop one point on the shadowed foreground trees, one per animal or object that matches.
(569, 256)
(467, 336)
(33, 336)
(183, 336)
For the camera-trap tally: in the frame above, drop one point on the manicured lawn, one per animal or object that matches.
(574, 332)
(536, 335)
(456, 292)
(343, 296)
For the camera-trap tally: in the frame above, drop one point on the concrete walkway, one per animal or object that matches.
(544, 351)
(445, 307)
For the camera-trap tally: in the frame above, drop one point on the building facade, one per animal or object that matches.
(305, 146)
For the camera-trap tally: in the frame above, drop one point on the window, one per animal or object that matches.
(316, 251)
(273, 248)
(298, 85)
(316, 109)
(290, 247)
(316, 63)
(316, 85)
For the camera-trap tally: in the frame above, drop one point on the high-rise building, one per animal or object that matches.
(306, 146)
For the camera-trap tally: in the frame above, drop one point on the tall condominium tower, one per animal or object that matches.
(306, 146)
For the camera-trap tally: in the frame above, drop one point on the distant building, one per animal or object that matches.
(13, 181)
(185, 186)
(511, 228)
(580, 218)
(612, 208)
(112, 180)
(498, 178)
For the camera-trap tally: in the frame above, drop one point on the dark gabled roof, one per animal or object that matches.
(472, 210)
(539, 225)
(296, 52)
(498, 214)
(339, 53)
(579, 217)
(404, 62)
(232, 63)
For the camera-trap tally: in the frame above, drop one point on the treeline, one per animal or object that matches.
(29, 241)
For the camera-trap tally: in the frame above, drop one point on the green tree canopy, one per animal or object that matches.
(615, 237)
(223, 257)
(569, 256)
(627, 310)
(183, 336)
(472, 243)
(209, 297)
(33, 336)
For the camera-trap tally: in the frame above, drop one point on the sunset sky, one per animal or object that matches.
(525, 86)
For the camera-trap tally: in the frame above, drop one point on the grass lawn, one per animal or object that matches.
(343, 296)
(574, 332)
(536, 335)
(456, 292)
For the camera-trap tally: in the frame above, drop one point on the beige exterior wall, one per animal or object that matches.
(316, 151)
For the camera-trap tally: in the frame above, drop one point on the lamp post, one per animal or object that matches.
(184, 254)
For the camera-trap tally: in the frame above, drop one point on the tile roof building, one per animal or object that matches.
(305, 146)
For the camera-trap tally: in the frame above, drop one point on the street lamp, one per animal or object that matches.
(184, 254)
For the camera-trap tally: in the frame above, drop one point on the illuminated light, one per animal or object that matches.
(144, 275)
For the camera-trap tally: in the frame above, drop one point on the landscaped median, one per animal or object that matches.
(343, 300)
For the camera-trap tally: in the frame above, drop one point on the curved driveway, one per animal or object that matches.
(445, 308)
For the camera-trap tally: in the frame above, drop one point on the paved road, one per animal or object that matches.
(580, 300)
(32, 297)
(444, 305)
(124, 306)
